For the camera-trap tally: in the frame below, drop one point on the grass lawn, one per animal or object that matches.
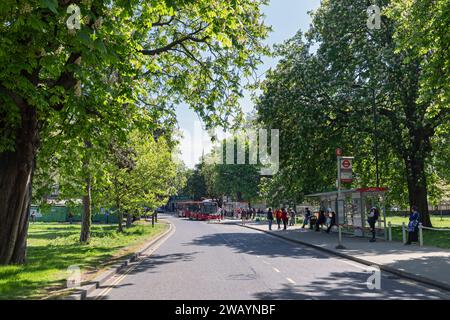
(433, 238)
(52, 247)
(435, 220)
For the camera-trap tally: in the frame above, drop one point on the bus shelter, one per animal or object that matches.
(352, 208)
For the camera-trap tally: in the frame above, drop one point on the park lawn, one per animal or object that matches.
(435, 220)
(53, 247)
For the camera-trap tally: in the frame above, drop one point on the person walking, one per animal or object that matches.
(321, 219)
(413, 225)
(307, 217)
(332, 217)
(270, 217)
(285, 218)
(278, 217)
(372, 220)
(243, 216)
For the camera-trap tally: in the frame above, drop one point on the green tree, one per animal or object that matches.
(167, 51)
(315, 99)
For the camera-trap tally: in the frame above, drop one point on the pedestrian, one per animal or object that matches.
(292, 216)
(70, 217)
(278, 217)
(413, 225)
(285, 218)
(33, 216)
(270, 217)
(332, 216)
(243, 215)
(372, 219)
(321, 219)
(307, 217)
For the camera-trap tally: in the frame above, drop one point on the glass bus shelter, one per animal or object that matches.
(352, 208)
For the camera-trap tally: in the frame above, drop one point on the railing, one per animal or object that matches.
(421, 227)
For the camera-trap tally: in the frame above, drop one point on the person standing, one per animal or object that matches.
(33, 216)
(270, 217)
(278, 217)
(285, 218)
(413, 225)
(70, 217)
(307, 217)
(372, 219)
(291, 217)
(332, 216)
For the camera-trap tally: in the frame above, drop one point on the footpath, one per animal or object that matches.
(428, 265)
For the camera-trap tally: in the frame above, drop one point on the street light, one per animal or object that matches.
(375, 132)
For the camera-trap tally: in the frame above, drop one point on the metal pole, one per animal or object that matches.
(340, 246)
(375, 120)
(403, 232)
(420, 234)
(390, 231)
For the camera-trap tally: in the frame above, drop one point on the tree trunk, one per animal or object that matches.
(129, 219)
(120, 229)
(417, 187)
(85, 234)
(16, 175)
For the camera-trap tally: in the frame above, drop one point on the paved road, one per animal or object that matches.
(217, 261)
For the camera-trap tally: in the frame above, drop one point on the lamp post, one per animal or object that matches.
(375, 131)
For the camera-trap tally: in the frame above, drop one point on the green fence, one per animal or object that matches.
(61, 214)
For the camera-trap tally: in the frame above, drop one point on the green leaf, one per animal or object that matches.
(52, 5)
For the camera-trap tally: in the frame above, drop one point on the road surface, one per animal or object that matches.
(221, 262)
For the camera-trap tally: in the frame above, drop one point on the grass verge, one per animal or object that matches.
(53, 247)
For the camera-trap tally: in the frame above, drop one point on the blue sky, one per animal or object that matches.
(286, 17)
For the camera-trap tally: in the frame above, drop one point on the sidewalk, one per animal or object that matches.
(425, 264)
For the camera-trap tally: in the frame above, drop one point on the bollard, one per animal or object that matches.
(403, 232)
(420, 235)
(390, 231)
(340, 246)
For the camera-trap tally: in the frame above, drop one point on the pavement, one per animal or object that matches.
(224, 261)
(429, 264)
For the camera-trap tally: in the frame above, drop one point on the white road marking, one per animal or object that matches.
(121, 277)
(290, 280)
(276, 270)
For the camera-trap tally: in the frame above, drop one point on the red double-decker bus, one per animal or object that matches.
(198, 210)
(188, 209)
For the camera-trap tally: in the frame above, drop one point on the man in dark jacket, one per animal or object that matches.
(270, 217)
(307, 217)
(372, 219)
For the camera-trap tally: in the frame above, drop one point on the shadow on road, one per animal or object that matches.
(346, 286)
(258, 244)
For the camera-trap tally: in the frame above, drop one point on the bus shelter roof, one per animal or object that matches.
(335, 193)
